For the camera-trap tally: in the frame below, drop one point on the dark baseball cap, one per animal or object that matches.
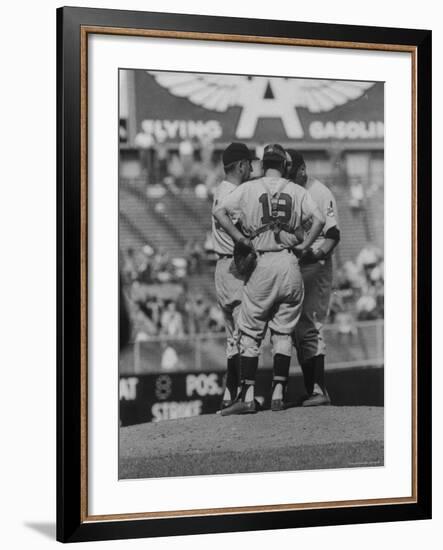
(274, 151)
(297, 160)
(236, 152)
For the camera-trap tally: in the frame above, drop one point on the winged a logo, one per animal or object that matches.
(261, 97)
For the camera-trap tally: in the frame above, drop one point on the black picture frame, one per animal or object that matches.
(72, 523)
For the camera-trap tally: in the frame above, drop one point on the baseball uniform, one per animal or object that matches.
(228, 283)
(273, 294)
(317, 279)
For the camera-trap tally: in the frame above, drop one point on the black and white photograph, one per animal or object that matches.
(251, 269)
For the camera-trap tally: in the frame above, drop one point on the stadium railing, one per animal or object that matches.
(361, 347)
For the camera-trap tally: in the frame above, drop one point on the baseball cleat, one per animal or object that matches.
(240, 407)
(225, 404)
(278, 405)
(317, 400)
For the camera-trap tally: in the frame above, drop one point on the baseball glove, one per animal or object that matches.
(308, 256)
(245, 258)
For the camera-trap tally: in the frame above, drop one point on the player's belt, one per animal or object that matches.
(221, 256)
(261, 252)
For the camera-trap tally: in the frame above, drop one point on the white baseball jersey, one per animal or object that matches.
(223, 243)
(325, 202)
(259, 202)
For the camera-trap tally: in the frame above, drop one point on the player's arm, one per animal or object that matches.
(331, 230)
(310, 210)
(318, 223)
(221, 214)
(332, 238)
(230, 208)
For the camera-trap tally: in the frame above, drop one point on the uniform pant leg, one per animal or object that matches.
(317, 280)
(229, 289)
(259, 297)
(288, 309)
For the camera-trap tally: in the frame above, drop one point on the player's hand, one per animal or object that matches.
(299, 250)
(306, 256)
(244, 245)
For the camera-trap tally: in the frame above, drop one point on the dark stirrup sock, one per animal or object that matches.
(232, 375)
(281, 365)
(308, 369)
(319, 372)
(248, 369)
(281, 372)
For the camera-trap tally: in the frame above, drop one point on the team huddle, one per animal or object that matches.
(274, 231)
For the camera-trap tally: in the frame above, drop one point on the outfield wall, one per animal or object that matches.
(163, 396)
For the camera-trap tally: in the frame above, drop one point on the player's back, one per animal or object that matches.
(223, 243)
(268, 199)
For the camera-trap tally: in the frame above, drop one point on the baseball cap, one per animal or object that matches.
(274, 151)
(235, 152)
(297, 160)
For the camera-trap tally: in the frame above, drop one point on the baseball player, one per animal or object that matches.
(270, 210)
(228, 282)
(316, 270)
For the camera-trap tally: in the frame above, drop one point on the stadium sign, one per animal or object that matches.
(128, 388)
(172, 410)
(154, 397)
(195, 393)
(173, 130)
(176, 106)
(346, 130)
(203, 384)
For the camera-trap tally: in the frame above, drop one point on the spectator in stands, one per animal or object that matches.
(194, 255)
(198, 311)
(159, 208)
(357, 195)
(198, 254)
(161, 261)
(336, 306)
(376, 274)
(186, 153)
(214, 176)
(380, 299)
(188, 249)
(207, 151)
(366, 306)
(122, 131)
(342, 281)
(209, 243)
(172, 322)
(138, 293)
(215, 318)
(161, 150)
(145, 265)
(129, 270)
(144, 328)
(353, 274)
(175, 170)
(145, 144)
(346, 329)
(369, 257)
(179, 268)
(201, 191)
(170, 360)
(153, 309)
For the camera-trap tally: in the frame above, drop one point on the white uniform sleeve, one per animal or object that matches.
(233, 202)
(328, 208)
(309, 208)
